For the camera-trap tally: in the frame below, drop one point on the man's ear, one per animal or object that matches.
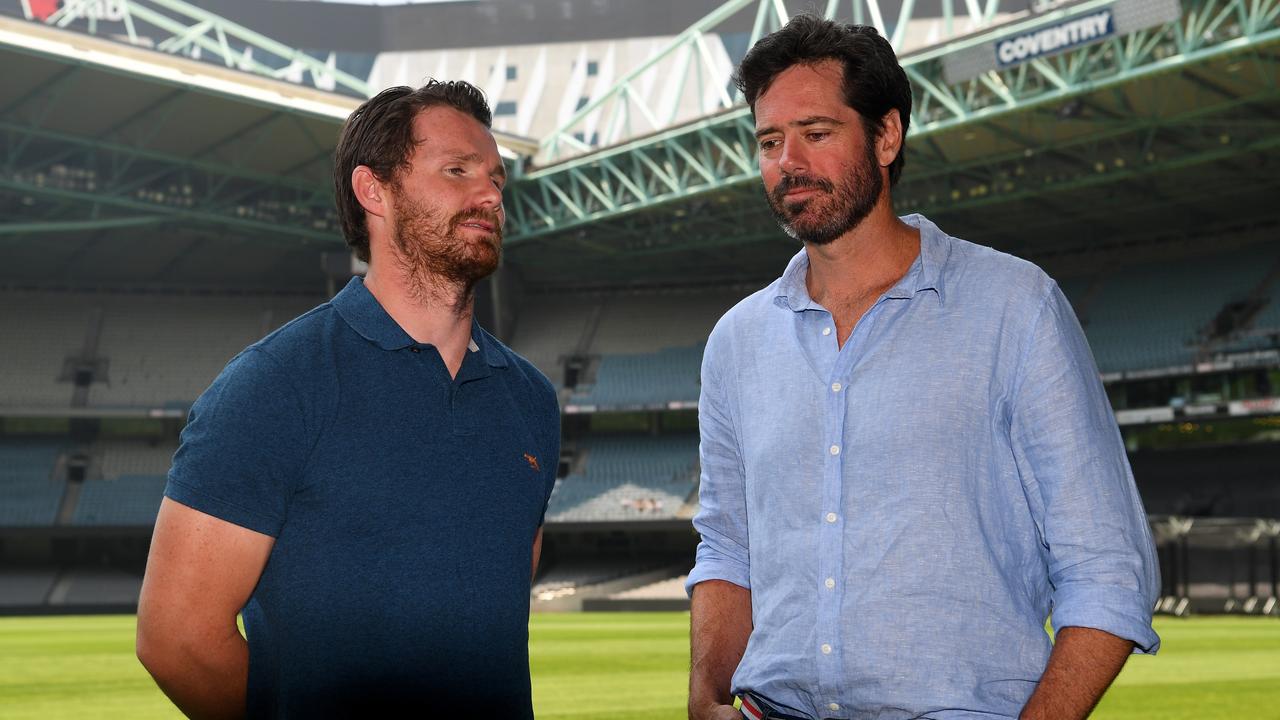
(889, 139)
(371, 193)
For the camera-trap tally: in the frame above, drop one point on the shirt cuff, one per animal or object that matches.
(1119, 611)
(712, 565)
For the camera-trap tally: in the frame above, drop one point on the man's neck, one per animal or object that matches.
(867, 260)
(437, 314)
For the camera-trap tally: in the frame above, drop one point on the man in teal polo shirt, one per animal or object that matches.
(367, 484)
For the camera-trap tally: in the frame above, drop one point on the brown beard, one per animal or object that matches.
(842, 208)
(438, 263)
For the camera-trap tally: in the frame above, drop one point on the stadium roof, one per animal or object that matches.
(1157, 138)
(126, 166)
(129, 167)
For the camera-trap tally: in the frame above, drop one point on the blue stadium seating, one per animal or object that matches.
(645, 380)
(628, 478)
(1151, 316)
(124, 501)
(30, 496)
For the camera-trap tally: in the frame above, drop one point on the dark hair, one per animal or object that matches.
(874, 82)
(379, 134)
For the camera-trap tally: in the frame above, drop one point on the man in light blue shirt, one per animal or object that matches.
(908, 460)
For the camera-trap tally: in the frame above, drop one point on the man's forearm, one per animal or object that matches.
(1083, 664)
(205, 679)
(720, 620)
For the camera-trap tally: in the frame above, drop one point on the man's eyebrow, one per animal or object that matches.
(461, 156)
(802, 122)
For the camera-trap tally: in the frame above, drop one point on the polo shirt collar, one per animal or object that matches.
(485, 344)
(924, 273)
(362, 311)
(365, 315)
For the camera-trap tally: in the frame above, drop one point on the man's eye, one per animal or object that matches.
(818, 135)
(768, 144)
(456, 171)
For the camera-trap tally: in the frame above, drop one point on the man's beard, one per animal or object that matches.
(435, 255)
(832, 214)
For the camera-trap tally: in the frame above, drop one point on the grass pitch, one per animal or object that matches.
(629, 666)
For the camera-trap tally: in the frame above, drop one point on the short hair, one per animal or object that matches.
(874, 82)
(379, 135)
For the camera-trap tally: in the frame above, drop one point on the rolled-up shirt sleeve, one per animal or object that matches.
(1093, 528)
(722, 518)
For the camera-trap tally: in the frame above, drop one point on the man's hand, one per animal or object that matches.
(1083, 664)
(200, 573)
(720, 617)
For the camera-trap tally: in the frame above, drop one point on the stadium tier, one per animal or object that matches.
(550, 329)
(40, 331)
(119, 458)
(628, 478)
(665, 589)
(1160, 315)
(126, 350)
(130, 500)
(606, 351)
(565, 580)
(29, 494)
(166, 351)
(26, 587)
(641, 380)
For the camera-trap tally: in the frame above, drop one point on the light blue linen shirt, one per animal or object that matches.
(909, 509)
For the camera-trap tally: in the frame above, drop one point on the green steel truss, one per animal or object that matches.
(693, 81)
(715, 155)
(61, 182)
(176, 27)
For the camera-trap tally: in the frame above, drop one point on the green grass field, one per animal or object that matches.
(628, 666)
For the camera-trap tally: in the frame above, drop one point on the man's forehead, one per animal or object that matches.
(823, 80)
(803, 91)
(446, 129)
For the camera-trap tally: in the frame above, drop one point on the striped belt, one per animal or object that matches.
(755, 707)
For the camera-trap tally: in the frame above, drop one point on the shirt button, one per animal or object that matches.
(835, 387)
(835, 449)
(833, 707)
(830, 583)
(826, 331)
(826, 649)
(831, 517)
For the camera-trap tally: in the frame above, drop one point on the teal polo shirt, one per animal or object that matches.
(404, 505)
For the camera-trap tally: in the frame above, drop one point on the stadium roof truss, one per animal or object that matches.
(1196, 86)
(1175, 110)
(97, 137)
(180, 28)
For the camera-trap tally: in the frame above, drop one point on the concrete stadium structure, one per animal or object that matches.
(165, 199)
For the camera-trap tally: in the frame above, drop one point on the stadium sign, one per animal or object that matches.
(109, 10)
(1259, 406)
(1062, 30)
(1140, 416)
(1055, 38)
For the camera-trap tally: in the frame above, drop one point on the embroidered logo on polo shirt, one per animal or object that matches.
(533, 462)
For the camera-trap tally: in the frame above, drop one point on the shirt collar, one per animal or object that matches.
(924, 274)
(362, 311)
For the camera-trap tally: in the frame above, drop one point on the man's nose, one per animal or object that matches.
(793, 160)
(490, 196)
